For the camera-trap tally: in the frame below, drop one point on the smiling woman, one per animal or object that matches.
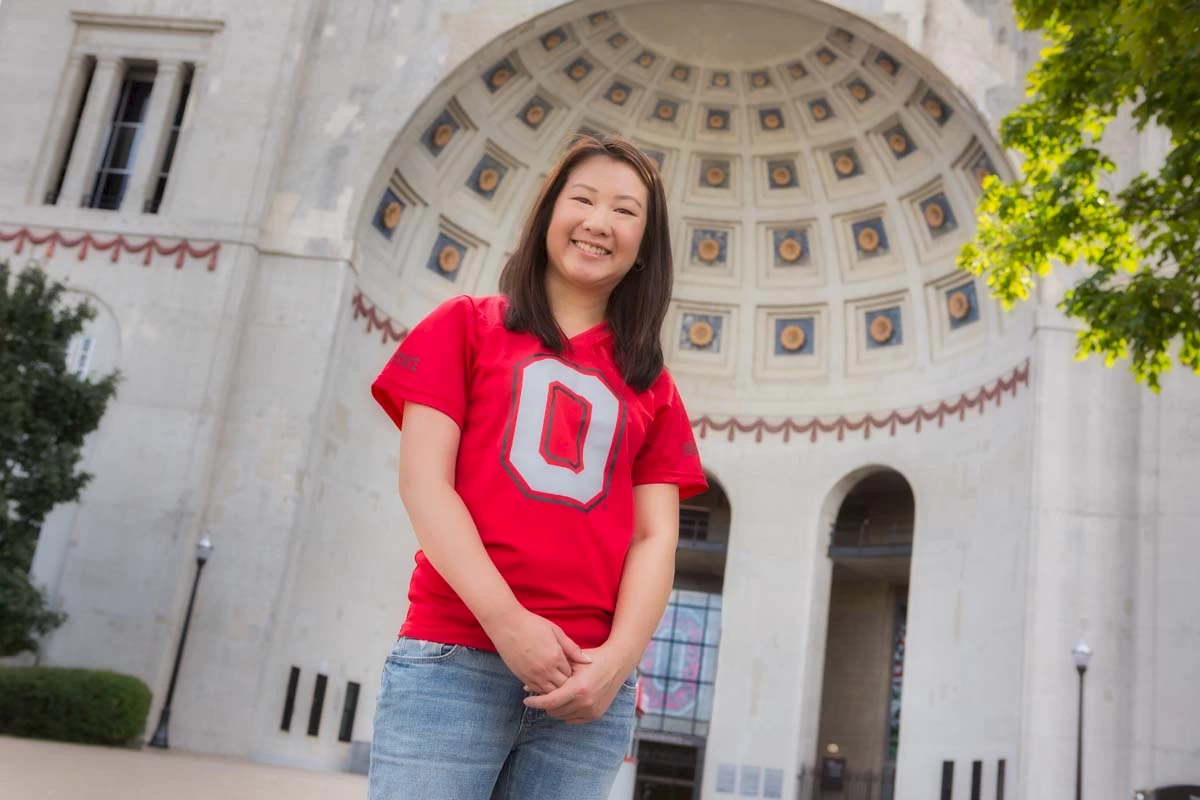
(589, 447)
(597, 248)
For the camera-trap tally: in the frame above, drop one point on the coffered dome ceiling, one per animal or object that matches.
(820, 184)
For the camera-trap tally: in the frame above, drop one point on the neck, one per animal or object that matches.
(574, 310)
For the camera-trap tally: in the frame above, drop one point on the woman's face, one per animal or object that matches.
(596, 228)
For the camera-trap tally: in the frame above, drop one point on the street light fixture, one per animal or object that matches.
(204, 549)
(1082, 654)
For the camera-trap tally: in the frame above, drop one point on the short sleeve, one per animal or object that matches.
(432, 365)
(669, 454)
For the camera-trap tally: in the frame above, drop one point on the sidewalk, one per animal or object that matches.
(37, 770)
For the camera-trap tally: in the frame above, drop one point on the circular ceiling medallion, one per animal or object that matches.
(898, 142)
(618, 40)
(825, 57)
(820, 111)
(489, 179)
(781, 176)
(645, 59)
(792, 337)
(391, 215)
(708, 250)
(887, 65)
(868, 239)
(934, 107)
(720, 81)
(982, 173)
(716, 121)
(443, 134)
(859, 91)
(700, 333)
(935, 215)
(790, 250)
(715, 176)
(680, 73)
(797, 71)
(501, 77)
(844, 164)
(666, 112)
(772, 122)
(553, 41)
(618, 95)
(535, 114)
(449, 259)
(579, 72)
(759, 81)
(959, 304)
(881, 329)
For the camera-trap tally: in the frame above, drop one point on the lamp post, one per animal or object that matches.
(204, 549)
(1082, 654)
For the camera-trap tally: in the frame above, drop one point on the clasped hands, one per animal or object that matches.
(570, 684)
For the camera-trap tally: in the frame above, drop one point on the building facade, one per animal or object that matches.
(920, 502)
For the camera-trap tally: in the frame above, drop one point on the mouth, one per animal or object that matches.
(591, 249)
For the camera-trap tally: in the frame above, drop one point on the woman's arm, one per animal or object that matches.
(646, 583)
(536, 650)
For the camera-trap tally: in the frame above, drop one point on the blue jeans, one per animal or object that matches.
(451, 724)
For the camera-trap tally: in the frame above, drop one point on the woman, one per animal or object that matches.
(544, 455)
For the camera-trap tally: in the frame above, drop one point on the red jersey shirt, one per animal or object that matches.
(551, 448)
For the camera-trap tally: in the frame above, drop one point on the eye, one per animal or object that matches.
(627, 211)
(580, 199)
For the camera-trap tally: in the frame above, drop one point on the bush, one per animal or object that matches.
(72, 705)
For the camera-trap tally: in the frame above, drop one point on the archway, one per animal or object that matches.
(870, 547)
(820, 177)
(679, 669)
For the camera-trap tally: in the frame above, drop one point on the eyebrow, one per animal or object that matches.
(619, 197)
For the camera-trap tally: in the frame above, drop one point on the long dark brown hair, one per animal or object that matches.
(638, 304)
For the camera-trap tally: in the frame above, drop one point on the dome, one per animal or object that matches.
(821, 180)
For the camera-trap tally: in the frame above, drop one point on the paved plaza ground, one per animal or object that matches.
(37, 770)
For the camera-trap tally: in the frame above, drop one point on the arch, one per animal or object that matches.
(865, 536)
(818, 191)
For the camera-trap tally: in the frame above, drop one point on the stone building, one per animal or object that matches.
(920, 503)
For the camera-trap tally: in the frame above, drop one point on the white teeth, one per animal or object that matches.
(590, 248)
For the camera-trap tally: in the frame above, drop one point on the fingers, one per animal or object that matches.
(571, 650)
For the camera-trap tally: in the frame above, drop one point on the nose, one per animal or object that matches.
(597, 221)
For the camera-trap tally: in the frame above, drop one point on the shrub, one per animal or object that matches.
(72, 705)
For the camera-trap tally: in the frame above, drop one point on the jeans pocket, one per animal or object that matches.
(630, 683)
(421, 651)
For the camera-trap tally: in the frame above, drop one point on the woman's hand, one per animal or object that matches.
(589, 692)
(535, 649)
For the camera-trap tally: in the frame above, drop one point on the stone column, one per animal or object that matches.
(60, 128)
(164, 99)
(93, 131)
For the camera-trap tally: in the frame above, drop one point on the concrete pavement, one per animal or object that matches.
(35, 770)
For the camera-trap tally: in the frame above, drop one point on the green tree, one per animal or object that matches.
(45, 413)
(1140, 292)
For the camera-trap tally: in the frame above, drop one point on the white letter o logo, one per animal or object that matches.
(583, 480)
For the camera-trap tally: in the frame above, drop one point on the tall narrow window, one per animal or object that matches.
(1000, 780)
(947, 780)
(976, 780)
(160, 184)
(112, 179)
(289, 700)
(60, 173)
(318, 704)
(349, 709)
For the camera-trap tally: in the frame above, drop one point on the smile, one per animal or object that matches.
(591, 249)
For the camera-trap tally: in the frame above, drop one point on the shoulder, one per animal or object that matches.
(475, 312)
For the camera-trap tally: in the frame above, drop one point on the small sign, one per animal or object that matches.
(773, 784)
(833, 774)
(727, 778)
(750, 778)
